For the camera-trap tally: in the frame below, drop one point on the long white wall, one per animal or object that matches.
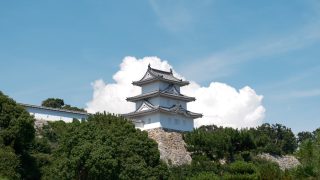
(51, 115)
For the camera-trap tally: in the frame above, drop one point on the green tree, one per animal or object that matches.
(53, 103)
(9, 164)
(211, 141)
(16, 136)
(205, 176)
(309, 156)
(217, 142)
(304, 135)
(200, 168)
(104, 147)
(241, 170)
(275, 139)
(59, 103)
(268, 170)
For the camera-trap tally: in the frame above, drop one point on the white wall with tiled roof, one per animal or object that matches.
(167, 121)
(54, 115)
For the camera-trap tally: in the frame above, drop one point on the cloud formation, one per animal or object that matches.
(220, 103)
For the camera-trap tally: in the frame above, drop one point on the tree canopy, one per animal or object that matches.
(16, 137)
(103, 147)
(59, 103)
(53, 102)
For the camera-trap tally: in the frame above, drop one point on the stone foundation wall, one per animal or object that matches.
(284, 162)
(171, 146)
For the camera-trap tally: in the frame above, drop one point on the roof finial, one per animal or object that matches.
(171, 70)
(149, 67)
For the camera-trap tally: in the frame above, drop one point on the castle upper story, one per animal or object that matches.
(161, 104)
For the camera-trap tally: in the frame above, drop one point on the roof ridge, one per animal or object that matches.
(161, 93)
(159, 75)
(161, 71)
(53, 109)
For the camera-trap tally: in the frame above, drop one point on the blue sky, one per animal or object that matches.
(58, 48)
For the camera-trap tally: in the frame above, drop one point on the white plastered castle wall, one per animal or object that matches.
(167, 102)
(150, 121)
(51, 115)
(177, 122)
(168, 121)
(156, 86)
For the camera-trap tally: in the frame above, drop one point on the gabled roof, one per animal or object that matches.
(153, 75)
(170, 92)
(147, 108)
(180, 110)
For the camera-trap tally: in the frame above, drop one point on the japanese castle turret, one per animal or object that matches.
(161, 105)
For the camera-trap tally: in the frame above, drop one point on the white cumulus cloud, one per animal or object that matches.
(219, 103)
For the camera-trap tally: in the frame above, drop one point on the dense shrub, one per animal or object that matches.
(103, 147)
(268, 170)
(309, 156)
(16, 138)
(274, 139)
(9, 163)
(241, 170)
(205, 176)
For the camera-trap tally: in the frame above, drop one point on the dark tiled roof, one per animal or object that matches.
(175, 109)
(53, 109)
(170, 91)
(158, 75)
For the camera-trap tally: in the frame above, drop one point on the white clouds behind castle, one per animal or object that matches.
(220, 103)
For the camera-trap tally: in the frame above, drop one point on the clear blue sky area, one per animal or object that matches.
(58, 48)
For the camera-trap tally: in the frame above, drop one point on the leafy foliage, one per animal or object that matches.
(309, 156)
(303, 136)
(16, 137)
(238, 149)
(53, 102)
(241, 170)
(218, 142)
(200, 168)
(9, 163)
(104, 147)
(205, 176)
(274, 139)
(268, 170)
(59, 103)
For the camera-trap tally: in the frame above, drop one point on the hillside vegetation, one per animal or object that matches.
(109, 147)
